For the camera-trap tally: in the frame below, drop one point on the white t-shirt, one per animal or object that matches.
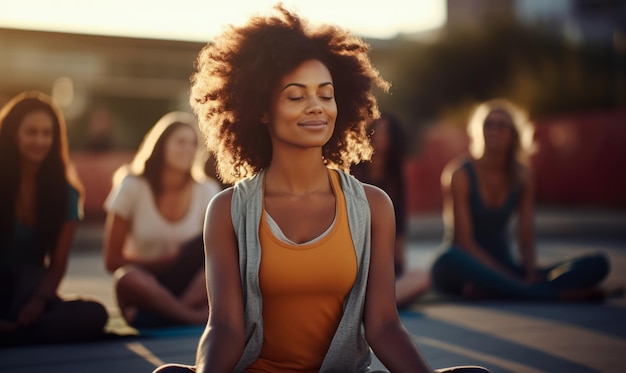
(151, 235)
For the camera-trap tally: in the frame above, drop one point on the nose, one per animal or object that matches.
(314, 105)
(41, 139)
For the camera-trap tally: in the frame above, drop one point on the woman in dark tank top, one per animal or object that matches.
(481, 194)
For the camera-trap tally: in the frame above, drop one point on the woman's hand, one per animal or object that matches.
(531, 278)
(161, 263)
(33, 309)
(534, 277)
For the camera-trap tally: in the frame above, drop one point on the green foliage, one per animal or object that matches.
(440, 81)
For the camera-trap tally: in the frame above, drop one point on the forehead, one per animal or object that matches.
(183, 131)
(308, 72)
(499, 115)
(38, 118)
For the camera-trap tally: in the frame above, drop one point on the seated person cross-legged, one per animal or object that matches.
(481, 194)
(153, 234)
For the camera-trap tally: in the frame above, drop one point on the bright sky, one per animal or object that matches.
(200, 20)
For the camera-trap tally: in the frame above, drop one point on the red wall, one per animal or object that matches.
(95, 170)
(580, 161)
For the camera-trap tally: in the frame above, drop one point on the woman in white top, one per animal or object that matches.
(153, 231)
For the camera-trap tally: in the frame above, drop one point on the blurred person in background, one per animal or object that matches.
(40, 207)
(153, 233)
(386, 171)
(481, 194)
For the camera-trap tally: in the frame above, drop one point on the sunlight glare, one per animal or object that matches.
(196, 20)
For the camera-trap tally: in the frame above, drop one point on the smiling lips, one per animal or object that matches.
(313, 124)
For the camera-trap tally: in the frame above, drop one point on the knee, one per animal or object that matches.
(96, 314)
(463, 369)
(174, 368)
(445, 271)
(130, 279)
(599, 263)
(88, 316)
(452, 259)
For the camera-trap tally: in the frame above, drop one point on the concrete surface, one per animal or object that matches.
(503, 336)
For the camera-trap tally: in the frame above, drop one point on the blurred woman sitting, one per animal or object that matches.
(481, 194)
(40, 206)
(153, 232)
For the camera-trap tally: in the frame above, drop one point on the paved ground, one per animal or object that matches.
(503, 336)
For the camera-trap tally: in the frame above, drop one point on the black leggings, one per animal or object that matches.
(176, 279)
(455, 268)
(63, 321)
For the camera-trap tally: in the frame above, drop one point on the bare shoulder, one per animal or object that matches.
(219, 205)
(218, 223)
(377, 197)
(453, 172)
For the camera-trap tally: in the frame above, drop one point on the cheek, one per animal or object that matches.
(332, 110)
(47, 141)
(507, 137)
(21, 142)
(285, 113)
(170, 153)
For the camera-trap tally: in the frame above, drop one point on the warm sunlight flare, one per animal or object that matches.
(199, 20)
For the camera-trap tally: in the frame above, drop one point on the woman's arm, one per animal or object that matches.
(526, 229)
(222, 342)
(384, 331)
(116, 229)
(32, 310)
(457, 212)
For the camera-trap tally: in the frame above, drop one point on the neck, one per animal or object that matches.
(300, 173)
(494, 161)
(173, 180)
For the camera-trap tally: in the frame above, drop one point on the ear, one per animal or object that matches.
(265, 118)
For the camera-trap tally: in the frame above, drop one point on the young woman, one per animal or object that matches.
(300, 274)
(481, 193)
(153, 231)
(39, 211)
(386, 171)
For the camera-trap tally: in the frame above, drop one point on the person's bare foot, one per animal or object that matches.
(130, 313)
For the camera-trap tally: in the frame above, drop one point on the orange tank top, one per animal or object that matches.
(303, 289)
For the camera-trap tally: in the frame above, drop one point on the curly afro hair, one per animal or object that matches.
(237, 72)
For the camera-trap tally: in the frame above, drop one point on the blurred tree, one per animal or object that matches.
(440, 81)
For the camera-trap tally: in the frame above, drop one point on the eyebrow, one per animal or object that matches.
(304, 86)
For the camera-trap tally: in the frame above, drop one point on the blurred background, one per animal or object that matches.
(116, 68)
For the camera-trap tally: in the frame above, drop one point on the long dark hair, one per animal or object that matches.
(51, 193)
(393, 181)
(396, 153)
